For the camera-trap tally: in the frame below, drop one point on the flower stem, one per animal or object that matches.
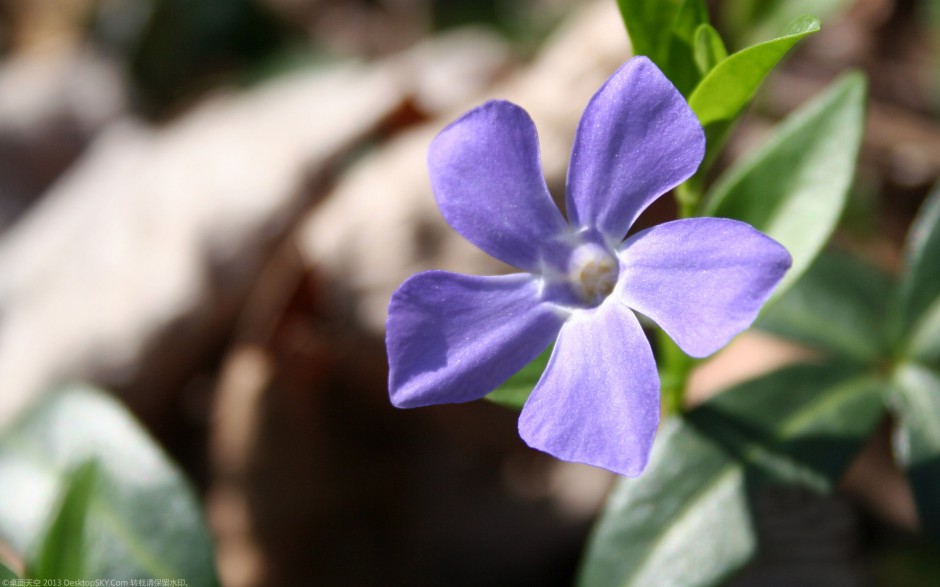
(674, 365)
(689, 196)
(674, 369)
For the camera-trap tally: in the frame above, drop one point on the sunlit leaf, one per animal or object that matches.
(916, 403)
(795, 186)
(708, 49)
(721, 96)
(686, 521)
(143, 520)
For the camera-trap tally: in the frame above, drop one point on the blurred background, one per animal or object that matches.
(206, 204)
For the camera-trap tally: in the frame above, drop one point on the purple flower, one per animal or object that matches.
(454, 338)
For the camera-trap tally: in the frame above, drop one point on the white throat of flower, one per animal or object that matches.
(593, 272)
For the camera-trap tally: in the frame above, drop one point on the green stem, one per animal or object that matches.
(689, 196)
(674, 369)
(674, 365)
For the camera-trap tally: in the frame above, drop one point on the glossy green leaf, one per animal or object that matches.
(65, 549)
(686, 521)
(708, 49)
(514, 393)
(837, 306)
(721, 96)
(143, 519)
(795, 186)
(916, 403)
(918, 299)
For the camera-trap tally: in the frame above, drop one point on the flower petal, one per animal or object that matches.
(454, 338)
(487, 178)
(598, 400)
(637, 140)
(703, 280)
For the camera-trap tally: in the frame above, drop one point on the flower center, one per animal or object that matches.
(593, 272)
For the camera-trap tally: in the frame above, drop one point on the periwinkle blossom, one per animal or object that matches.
(454, 338)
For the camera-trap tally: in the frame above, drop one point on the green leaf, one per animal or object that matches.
(801, 424)
(143, 519)
(837, 306)
(6, 573)
(691, 15)
(650, 26)
(664, 31)
(795, 186)
(709, 49)
(915, 402)
(679, 65)
(751, 20)
(686, 522)
(916, 305)
(721, 96)
(514, 393)
(924, 343)
(64, 551)
(691, 490)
